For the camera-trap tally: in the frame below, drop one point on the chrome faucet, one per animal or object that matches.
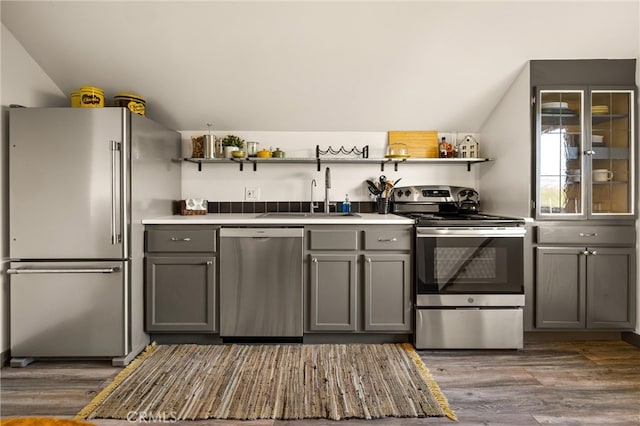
(327, 185)
(312, 205)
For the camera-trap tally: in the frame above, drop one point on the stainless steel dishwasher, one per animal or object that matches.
(261, 282)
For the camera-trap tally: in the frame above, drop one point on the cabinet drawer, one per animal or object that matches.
(181, 240)
(333, 239)
(383, 239)
(587, 235)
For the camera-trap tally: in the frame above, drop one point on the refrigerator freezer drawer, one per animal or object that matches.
(469, 328)
(70, 309)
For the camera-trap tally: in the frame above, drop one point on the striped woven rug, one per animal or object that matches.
(247, 382)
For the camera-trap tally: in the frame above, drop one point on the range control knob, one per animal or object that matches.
(399, 193)
(407, 192)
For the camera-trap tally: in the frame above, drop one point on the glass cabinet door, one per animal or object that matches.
(611, 152)
(560, 144)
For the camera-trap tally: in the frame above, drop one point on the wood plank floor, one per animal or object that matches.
(572, 383)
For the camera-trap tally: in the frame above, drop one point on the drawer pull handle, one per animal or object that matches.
(187, 239)
(388, 240)
(588, 234)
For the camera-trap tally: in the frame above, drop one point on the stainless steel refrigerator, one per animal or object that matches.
(80, 182)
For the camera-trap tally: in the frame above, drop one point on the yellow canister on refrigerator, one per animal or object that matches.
(75, 99)
(135, 103)
(91, 97)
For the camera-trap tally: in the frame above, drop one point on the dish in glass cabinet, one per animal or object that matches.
(555, 105)
(599, 109)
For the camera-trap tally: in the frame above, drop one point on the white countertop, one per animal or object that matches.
(255, 219)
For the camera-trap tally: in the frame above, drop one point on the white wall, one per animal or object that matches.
(505, 183)
(23, 83)
(281, 182)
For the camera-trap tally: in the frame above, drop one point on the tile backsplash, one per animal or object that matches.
(282, 206)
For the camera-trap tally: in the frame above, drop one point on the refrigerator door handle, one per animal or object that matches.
(115, 150)
(63, 271)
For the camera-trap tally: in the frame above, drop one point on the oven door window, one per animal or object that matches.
(469, 265)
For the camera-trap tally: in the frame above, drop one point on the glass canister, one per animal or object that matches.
(91, 97)
(198, 146)
(252, 149)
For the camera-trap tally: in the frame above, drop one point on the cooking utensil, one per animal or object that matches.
(373, 188)
(388, 188)
(263, 153)
(383, 182)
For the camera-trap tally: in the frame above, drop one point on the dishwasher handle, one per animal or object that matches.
(261, 232)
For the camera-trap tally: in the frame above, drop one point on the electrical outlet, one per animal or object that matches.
(252, 194)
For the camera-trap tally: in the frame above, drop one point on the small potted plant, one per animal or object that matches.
(232, 143)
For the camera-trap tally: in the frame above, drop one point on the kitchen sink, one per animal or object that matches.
(293, 215)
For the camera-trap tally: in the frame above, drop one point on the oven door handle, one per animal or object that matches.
(471, 232)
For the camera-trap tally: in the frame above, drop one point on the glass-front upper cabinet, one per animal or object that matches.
(585, 153)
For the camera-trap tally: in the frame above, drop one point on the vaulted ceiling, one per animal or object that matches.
(314, 65)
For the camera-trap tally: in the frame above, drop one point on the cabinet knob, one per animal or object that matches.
(368, 260)
(586, 252)
(209, 263)
(593, 252)
(314, 260)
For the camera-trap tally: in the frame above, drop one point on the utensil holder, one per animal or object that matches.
(383, 205)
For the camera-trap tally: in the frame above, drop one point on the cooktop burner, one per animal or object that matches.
(441, 205)
(463, 219)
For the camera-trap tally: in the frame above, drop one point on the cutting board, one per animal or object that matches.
(420, 144)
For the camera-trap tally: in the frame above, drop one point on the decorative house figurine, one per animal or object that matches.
(468, 148)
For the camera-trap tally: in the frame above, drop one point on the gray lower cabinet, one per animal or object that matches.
(387, 292)
(180, 279)
(359, 279)
(585, 287)
(180, 293)
(333, 292)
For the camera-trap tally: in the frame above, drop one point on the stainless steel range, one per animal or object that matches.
(468, 276)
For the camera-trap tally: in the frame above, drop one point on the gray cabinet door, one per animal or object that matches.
(560, 287)
(610, 288)
(332, 292)
(180, 294)
(387, 292)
